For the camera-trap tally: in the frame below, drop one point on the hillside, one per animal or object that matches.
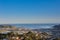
(6, 26)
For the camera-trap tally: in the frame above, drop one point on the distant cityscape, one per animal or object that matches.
(9, 32)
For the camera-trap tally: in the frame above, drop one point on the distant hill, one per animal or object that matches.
(6, 26)
(56, 27)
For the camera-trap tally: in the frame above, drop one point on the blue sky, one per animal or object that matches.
(29, 11)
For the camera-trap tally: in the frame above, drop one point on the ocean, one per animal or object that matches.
(34, 26)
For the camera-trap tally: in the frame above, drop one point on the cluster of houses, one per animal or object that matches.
(21, 31)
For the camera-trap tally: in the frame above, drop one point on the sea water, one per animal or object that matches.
(34, 26)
